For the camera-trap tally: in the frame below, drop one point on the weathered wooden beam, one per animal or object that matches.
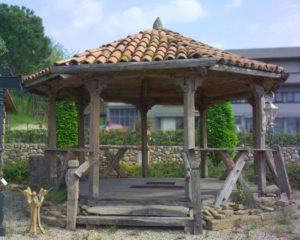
(72, 183)
(80, 104)
(231, 180)
(259, 136)
(245, 71)
(271, 165)
(114, 160)
(187, 177)
(281, 171)
(203, 142)
(50, 156)
(133, 66)
(94, 88)
(144, 127)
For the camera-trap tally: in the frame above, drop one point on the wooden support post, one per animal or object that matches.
(189, 88)
(259, 137)
(51, 156)
(143, 112)
(281, 171)
(72, 183)
(203, 142)
(231, 179)
(80, 104)
(94, 88)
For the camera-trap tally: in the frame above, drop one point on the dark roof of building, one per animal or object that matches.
(268, 53)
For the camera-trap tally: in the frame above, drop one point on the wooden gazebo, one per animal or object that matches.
(157, 66)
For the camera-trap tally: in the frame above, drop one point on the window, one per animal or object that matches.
(289, 97)
(291, 125)
(249, 124)
(297, 96)
(278, 125)
(124, 116)
(279, 97)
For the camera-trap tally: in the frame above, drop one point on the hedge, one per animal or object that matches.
(131, 137)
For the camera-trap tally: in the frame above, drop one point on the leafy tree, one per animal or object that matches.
(221, 129)
(28, 49)
(3, 48)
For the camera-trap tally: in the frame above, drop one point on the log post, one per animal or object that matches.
(203, 142)
(259, 132)
(51, 155)
(94, 89)
(189, 88)
(72, 183)
(144, 135)
(80, 104)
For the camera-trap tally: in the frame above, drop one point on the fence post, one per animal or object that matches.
(72, 183)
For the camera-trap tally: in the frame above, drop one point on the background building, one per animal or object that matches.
(287, 98)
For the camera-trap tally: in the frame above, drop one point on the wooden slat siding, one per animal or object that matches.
(94, 91)
(259, 136)
(114, 160)
(51, 156)
(187, 174)
(72, 184)
(80, 104)
(136, 221)
(271, 165)
(143, 112)
(281, 171)
(203, 142)
(231, 180)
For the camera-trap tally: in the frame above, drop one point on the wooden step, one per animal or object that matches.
(110, 202)
(139, 210)
(139, 221)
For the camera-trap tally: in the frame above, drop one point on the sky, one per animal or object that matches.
(227, 24)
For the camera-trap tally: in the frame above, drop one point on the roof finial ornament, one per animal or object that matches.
(157, 23)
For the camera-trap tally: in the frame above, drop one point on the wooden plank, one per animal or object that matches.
(136, 221)
(133, 66)
(259, 136)
(196, 194)
(51, 157)
(72, 184)
(281, 171)
(94, 91)
(168, 202)
(271, 165)
(231, 180)
(143, 112)
(203, 143)
(139, 210)
(80, 104)
(187, 178)
(114, 160)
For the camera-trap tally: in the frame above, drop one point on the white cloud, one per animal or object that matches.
(82, 13)
(142, 17)
(234, 4)
(253, 28)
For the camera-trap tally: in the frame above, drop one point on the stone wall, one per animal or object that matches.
(22, 151)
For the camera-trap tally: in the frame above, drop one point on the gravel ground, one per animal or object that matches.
(16, 223)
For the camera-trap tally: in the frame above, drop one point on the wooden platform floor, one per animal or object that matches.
(147, 189)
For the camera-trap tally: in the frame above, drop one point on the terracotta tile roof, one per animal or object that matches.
(159, 45)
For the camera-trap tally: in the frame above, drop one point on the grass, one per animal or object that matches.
(112, 229)
(21, 118)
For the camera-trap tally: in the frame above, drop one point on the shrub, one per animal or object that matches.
(16, 172)
(57, 196)
(221, 129)
(156, 169)
(66, 124)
